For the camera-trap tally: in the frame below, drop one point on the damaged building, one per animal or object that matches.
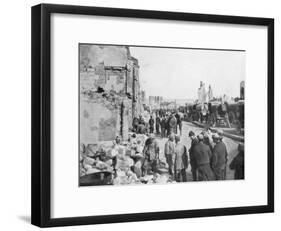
(109, 92)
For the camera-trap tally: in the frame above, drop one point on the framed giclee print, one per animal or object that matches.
(143, 115)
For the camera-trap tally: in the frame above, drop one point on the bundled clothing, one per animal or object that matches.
(194, 142)
(237, 164)
(219, 160)
(202, 156)
(172, 125)
(151, 155)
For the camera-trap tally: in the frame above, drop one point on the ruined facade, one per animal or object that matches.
(109, 92)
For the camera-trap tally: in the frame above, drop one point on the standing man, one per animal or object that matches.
(207, 139)
(194, 142)
(141, 126)
(237, 164)
(151, 124)
(163, 126)
(173, 124)
(158, 124)
(170, 154)
(181, 161)
(202, 155)
(167, 120)
(151, 155)
(219, 156)
(179, 121)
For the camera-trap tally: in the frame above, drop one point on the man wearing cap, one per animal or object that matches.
(181, 161)
(202, 155)
(219, 156)
(170, 154)
(194, 142)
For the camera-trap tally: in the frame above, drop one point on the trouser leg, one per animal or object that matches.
(194, 174)
(183, 175)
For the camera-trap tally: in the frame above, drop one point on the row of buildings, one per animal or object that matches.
(110, 95)
(205, 96)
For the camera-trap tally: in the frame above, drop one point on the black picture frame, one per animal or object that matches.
(41, 114)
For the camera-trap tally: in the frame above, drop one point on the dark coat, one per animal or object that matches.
(237, 164)
(151, 122)
(191, 153)
(219, 160)
(219, 156)
(163, 123)
(151, 149)
(173, 124)
(141, 129)
(158, 121)
(202, 154)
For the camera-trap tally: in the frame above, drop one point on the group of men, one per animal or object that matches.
(161, 124)
(207, 154)
(208, 161)
(175, 154)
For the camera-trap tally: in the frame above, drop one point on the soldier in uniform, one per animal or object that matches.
(194, 142)
(170, 154)
(181, 161)
(202, 155)
(219, 156)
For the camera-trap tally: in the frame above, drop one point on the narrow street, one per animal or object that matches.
(231, 146)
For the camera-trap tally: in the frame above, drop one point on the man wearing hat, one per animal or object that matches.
(202, 155)
(194, 142)
(170, 154)
(151, 155)
(219, 156)
(181, 160)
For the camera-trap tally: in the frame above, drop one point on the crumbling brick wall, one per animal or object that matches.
(106, 92)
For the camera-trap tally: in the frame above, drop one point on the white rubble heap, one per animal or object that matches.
(127, 158)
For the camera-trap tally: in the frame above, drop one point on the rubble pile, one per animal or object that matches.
(121, 160)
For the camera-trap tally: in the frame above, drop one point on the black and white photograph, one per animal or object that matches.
(160, 115)
(142, 114)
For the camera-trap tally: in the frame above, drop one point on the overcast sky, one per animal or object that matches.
(176, 73)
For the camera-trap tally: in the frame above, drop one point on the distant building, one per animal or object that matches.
(210, 93)
(155, 101)
(242, 90)
(202, 94)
